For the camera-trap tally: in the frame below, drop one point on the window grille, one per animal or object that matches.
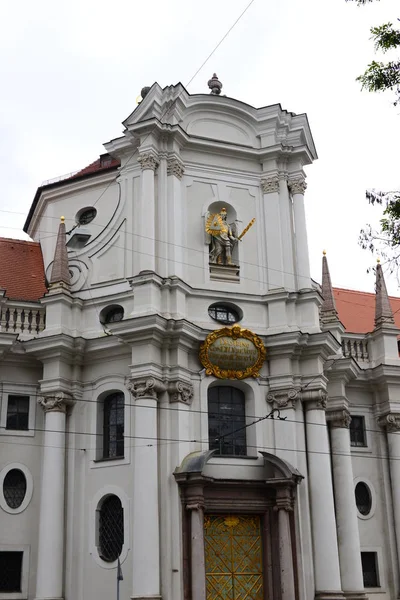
(18, 412)
(10, 571)
(370, 569)
(111, 528)
(363, 498)
(87, 216)
(113, 433)
(14, 488)
(223, 314)
(357, 431)
(226, 415)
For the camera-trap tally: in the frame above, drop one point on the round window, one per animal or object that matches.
(86, 216)
(14, 488)
(111, 314)
(111, 528)
(363, 498)
(225, 313)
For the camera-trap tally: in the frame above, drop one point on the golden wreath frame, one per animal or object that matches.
(235, 333)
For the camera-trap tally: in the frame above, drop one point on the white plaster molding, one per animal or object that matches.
(29, 488)
(373, 497)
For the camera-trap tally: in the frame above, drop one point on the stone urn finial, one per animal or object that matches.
(215, 85)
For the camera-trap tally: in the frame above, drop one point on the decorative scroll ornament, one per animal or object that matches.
(297, 186)
(232, 353)
(56, 402)
(339, 418)
(317, 398)
(148, 160)
(270, 184)
(148, 387)
(283, 398)
(175, 167)
(180, 391)
(391, 422)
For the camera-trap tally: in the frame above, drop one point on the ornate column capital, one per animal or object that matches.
(180, 391)
(339, 418)
(284, 398)
(57, 402)
(175, 167)
(297, 186)
(315, 399)
(148, 160)
(270, 184)
(390, 422)
(145, 387)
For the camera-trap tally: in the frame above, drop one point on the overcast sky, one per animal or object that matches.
(71, 72)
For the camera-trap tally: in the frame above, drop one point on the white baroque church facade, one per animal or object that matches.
(117, 446)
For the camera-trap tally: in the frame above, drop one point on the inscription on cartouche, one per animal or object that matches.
(227, 353)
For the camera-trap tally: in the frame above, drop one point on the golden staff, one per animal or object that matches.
(245, 230)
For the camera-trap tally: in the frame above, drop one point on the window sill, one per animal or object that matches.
(109, 459)
(16, 433)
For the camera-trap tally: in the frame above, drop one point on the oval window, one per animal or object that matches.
(225, 313)
(86, 216)
(363, 498)
(111, 314)
(14, 488)
(111, 528)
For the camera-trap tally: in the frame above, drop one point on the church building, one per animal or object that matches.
(184, 413)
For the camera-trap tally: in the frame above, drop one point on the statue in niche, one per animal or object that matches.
(222, 237)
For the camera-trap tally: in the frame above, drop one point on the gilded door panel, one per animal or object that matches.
(233, 553)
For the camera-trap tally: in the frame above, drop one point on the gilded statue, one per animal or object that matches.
(222, 237)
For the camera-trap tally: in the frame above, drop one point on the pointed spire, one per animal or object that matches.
(328, 308)
(60, 271)
(383, 310)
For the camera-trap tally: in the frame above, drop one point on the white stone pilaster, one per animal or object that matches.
(176, 253)
(323, 523)
(391, 423)
(50, 569)
(270, 189)
(297, 188)
(198, 566)
(146, 526)
(284, 506)
(149, 162)
(346, 511)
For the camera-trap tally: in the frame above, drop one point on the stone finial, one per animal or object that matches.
(328, 308)
(215, 85)
(60, 270)
(383, 310)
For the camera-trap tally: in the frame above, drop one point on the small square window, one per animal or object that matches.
(357, 431)
(10, 571)
(18, 412)
(369, 562)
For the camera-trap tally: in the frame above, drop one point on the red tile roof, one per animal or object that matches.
(21, 270)
(103, 163)
(357, 310)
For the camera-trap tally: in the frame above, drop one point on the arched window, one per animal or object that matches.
(113, 425)
(111, 528)
(226, 420)
(14, 488)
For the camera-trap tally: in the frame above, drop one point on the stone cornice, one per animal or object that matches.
(62, 346)
(145, 387)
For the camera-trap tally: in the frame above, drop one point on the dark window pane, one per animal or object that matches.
(111, 528)
(226, 420)
(17, 412)
(113, 429)
(87, 216)
(370, 569)
(223, 314)
(14, 488)
(10, 571)
(363, 498)
(357, 431)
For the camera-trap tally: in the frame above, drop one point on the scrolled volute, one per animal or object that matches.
(339, 418)
(180, 391)
(283, 398)
(56, 402)
(145, 387)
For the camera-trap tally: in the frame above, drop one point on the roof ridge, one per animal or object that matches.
(19, 241)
